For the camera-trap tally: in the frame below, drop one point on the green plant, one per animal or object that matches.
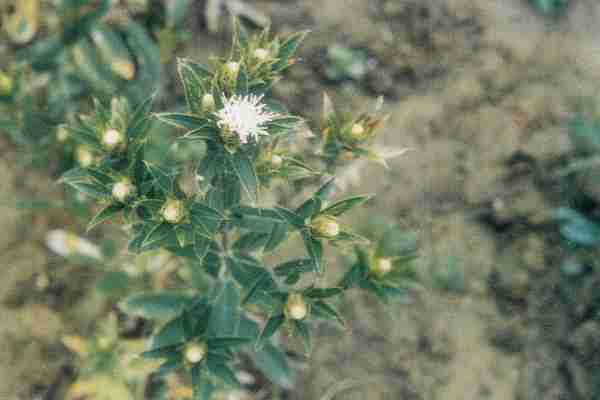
(219, 223)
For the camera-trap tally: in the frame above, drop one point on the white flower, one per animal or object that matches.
(245, 116)
(67, 244)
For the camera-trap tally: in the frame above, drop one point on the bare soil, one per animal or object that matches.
(481, 92)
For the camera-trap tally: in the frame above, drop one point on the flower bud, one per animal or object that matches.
(325, 226)
(195, 352)
(112, 140)
(295, 307)
(84, 157)
(232, 69)
(173, 211)
(276, 161)
(208, 103)
(62, 134)
(123, 190)
(380, 267)
(6, 84)
(261, 54)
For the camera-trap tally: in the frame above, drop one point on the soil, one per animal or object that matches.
(481, 93)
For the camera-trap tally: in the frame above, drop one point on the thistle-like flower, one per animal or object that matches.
(244, 116)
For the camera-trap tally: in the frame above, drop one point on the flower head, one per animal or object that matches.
(244, 116)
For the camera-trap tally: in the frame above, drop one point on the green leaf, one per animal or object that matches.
(309, 208)
(273, 324)
(278, 235)
(186, 121)
(161, 177)
(140, 121)
(273, 364)
(191, 75)
(324, 310)
(154, 305)
(92, 189)
(291, 217)
(315, 250)
(322, 293)
(104, 214)
(287, 49)
(577, 228)
(243, 167)
(225, 314)
(251, 241)
(226, 342)
(205, 219)
(218, 368)
(304, 333)
(352, 277)
(201, 246)
(202, 386)
(204, 133)
(157, 234)
(262, 284)
(299, 265)
(326, 190)
(342, 206)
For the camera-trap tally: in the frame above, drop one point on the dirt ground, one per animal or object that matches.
(481, 92)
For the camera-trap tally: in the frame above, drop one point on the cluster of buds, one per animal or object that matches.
(6, 84)
(194, 352)
(296, 307)
(84, 156)
(380, 267)
(113, 140)
(325, 226)
(173, 211)
(123, 190)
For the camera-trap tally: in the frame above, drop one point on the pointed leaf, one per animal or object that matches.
(104, 214)
(344, 205)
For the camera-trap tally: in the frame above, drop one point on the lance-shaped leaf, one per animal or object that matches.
(202, 386)
(185, 121)
(315, 251)
(287, 49)
(244, 169)
(353, 276)
(218, 368)
(140, 121)
(192, 75)
(273, 364)
(251, 241)
(225, 315)
(104, 214)
(293, 266)
(161, 177)
(273, 324)
(205, 219)
(262, 284)
(291, 217)
(323, 310)
(322, 293)
(303, 331)
(326, 190)
(340, 207)
(154, 305)
(202, 246)
(205, 133)
(157, 234)
(227, 342)
(309, 208)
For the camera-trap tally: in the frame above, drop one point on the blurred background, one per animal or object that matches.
(498, 102)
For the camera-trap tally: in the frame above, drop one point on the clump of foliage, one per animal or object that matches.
(552, 8)
(56, 54)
